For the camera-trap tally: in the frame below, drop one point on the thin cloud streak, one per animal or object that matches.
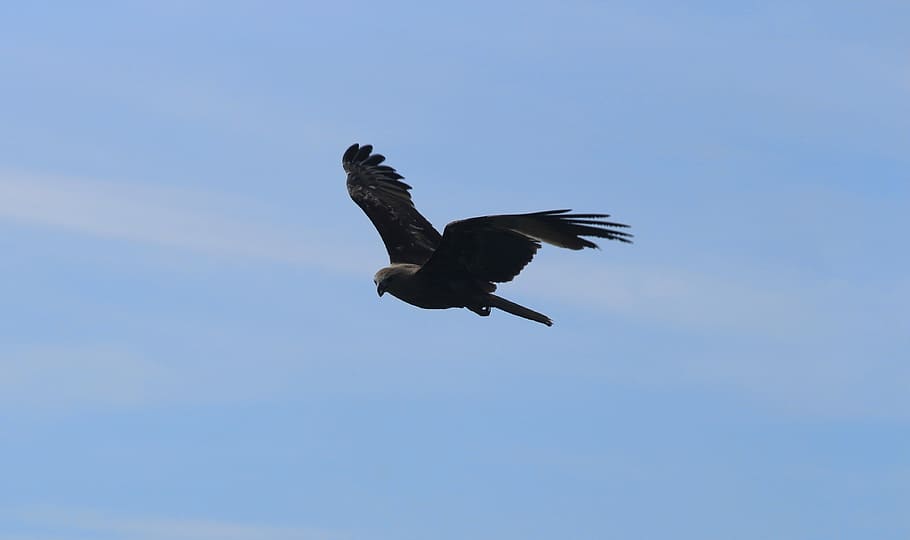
(669, 295)
(844, 339)
(62, 377)
(209, 223)
(54, 375)
(185, 219)
(81, 522)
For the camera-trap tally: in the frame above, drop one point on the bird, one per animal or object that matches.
(460, 267)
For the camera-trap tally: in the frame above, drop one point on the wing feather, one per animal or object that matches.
(497, 248)
(385, 199)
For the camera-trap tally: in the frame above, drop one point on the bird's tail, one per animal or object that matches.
(521, 311)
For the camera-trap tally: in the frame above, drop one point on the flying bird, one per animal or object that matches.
(460, 267)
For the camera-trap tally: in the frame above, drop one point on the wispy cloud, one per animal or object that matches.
(820, 346)
(60, 377)
(70, 523)
(679, 297)
(210, 223)
(186, 219)
(63, 375)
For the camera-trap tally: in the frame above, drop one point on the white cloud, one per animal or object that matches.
(671, 295)
(63, 375)
(811, 340)
(58, 377)
(79, 523)
(186, 219)
(210, 223)
(814, 346)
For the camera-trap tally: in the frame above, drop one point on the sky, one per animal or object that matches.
(191, 345)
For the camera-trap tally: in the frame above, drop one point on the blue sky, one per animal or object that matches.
(192, 347)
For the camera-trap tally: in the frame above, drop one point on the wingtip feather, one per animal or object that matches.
(350, 153)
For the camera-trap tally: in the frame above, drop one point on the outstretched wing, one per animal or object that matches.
(379, 191)
(497, 248)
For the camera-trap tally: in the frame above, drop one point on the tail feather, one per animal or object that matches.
(521, 311)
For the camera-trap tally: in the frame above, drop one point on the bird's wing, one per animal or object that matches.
(379, 191)
(497, 248)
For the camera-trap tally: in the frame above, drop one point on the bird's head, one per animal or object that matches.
(383, 278)
(388, 278)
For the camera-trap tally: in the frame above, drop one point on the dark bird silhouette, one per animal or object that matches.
(460, 267)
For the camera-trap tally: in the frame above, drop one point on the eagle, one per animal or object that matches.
(460, 267)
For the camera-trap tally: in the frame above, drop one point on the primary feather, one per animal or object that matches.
(386, 200)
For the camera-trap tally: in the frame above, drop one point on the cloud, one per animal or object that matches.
(675, 296)
(63, 375)
(180, 218)
(210, 223)
(817, 346)
(74, 523)
(766, 301)
(59, 377)
(766, 330)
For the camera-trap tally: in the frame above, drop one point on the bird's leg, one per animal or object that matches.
(483, 311)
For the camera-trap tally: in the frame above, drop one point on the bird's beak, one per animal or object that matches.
(380, 289)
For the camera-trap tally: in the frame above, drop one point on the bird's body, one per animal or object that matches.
(405, 282)
(460, 267)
